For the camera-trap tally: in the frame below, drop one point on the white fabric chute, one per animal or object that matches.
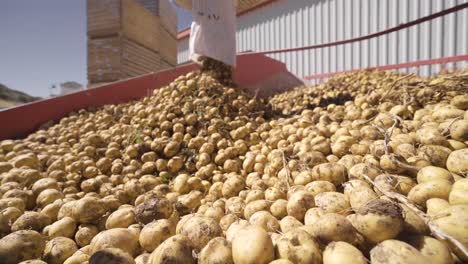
(213, 31)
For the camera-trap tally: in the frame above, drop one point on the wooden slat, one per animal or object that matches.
(103, 17)
(168, 17)
(244, 5)
(104, 59)
(137, 59)
(140, 25)
(141, 55)
(150, 5)
(168, 46)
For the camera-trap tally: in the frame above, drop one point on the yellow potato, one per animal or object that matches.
(341, 252)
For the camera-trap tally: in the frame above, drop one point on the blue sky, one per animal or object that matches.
(43, 42)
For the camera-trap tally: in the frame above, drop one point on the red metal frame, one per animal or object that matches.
(442, 61)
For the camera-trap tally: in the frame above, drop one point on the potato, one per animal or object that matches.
(121, 238)
(430, 136)
(85, 234)
(447, 112)
(227, 220)
(457, 161)
(121, 218)
(217, 251)
(278, 208)
(273, 194)
(341, 252)
(154, 233)
(112, 256)
(252, 245)
(232, 186)
(31, 221)
(460, 102)
(235, 227)
(189, 202)
(265, 220)
(64, 227)
(299, 203)
(235, 205)
(394, 251)
(436, 205)
(199, 230)
(43, 184)
(361, 196)
(333, 227)
(459, 192)
(412, 223)
(332, 172)
(143, 259)
(59, 249)
(378, 220)
(435, 250)
(281, 261)
(459, 130)
(66, 210)
(256, 206)
(33, 261)
(48, 196)
(214, 212)
(8, 217)
(317, 187)
(454, 222)
(153, 209)
(359, 170)
(289, 223)
(175, 249)
(88, 210)
(299, 247)
(431, 173)
(254, 195)
(436, 154)
(21, 245)
(52, 210)
(313, 215)
(394, 183)
(333, 202)
(18, 203)
(432, 189)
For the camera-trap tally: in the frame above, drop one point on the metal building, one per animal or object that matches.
(285, 24)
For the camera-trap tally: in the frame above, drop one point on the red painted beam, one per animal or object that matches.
(19, 121)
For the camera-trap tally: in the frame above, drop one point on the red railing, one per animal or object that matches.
(414, 64)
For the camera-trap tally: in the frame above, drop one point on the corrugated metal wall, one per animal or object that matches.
(298, 23)
(183, 51)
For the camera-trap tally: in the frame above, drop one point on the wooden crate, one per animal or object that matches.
(168, 17)
(115, 58)
(122, 17)
(104, 59)
(168, 46)
(150, 5)
(139, 24)
(103, 17)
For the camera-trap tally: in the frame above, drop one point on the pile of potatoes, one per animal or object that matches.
(203, 173)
